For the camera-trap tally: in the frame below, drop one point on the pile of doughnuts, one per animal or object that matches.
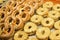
(30, 20)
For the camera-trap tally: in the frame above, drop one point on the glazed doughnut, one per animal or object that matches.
(18, 23)
(32, 38)
(36, 19)
(25, 16)
(7, 30)
(10, 20)
(20, 35)
(48, 5)
(42, 11)
(43, 32)
(3, 15)
(53, 14)
(56, 7)
(55, 35)
(47, 22)
(57, 25)
(30, 27)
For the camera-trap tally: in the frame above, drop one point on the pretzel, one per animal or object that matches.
(7, 31)
(3, 15)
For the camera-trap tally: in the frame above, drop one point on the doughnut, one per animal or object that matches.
(43, 32)
(55, 35)
(42, 11)
(20, 35)
(3, 15)
(18, 23)
(53, 14)
(47, 22)
(30, 27)
(48, 5)
(7, 30)
(56, 7)
(36, 19)
(25, 16)
(57, 25)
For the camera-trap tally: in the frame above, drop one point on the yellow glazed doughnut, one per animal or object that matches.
(20, 35)
(56, 7)
(53, 14)
(47, 22)
(55, 35)
(48, 5)
(36, 19)
(30, 27)
(43, 32)
(57, 25)
(41, 11)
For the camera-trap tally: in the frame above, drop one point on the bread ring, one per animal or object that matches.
(25, 16)
(7, 31)
(30, 27)
(56, 7)
(42, 31)
(55, 35)
(18, 23)
(42, 11)
(57, 25)
(53, 14)
(48, 5)
(20, 35)
(10, 20)
(36, 19)
(3, 15)
(47, 22)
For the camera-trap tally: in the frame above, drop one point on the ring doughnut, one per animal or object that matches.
(20, 35)
(47, 22)
(36, 19)
(7, 30)
(57, 25)
(30, 27)
(53, 14)
(55, 35)
(56, 7)
(42, 31)
(3, 15)
(48, 5)
(42, 11)
(25, 16)
(18, 23)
